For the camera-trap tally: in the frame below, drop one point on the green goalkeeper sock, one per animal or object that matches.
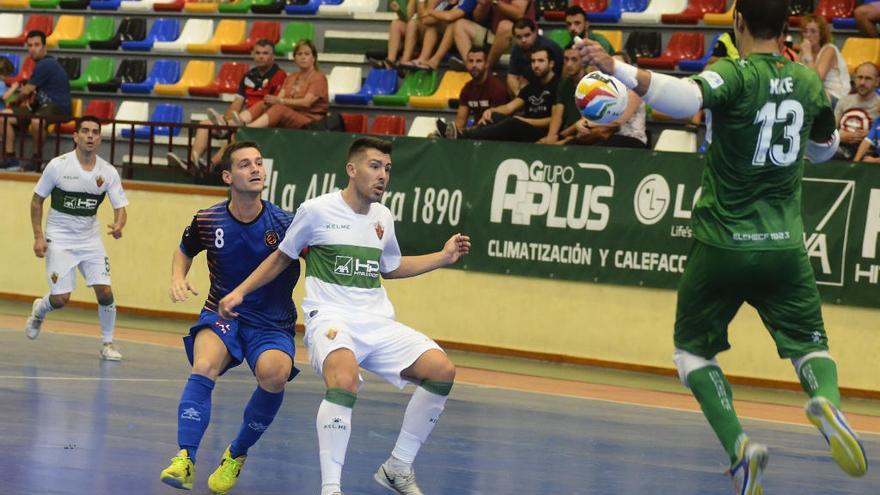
(818, 377)
(713, 392)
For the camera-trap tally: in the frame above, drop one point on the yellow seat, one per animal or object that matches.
(15, 4)
(196, 73)
(449, 89)
(614, 37)
(200, 6)
(858, 50)
(69, 127)
(69, 27)
(725, 19)
(229, 32)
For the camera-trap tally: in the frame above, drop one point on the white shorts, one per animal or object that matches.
(61, 265)
(381, 345)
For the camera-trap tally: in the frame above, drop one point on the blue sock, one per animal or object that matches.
(258, 415)
(194, 413)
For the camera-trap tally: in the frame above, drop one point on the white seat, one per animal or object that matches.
(422, 126)
(348, 7)
(11, 25)
(655, 9)
(138, 111)
(344, 80)
(195, 31)
(680, 141)
(137, 5)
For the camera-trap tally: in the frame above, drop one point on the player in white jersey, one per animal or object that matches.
(349, 319)
(77, 182)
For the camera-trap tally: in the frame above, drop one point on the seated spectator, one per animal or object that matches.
(491, 26)
(538, 100)
(628, 131)
(397, 33)
(870, 146)
(481, 93)
(867, 15)
(46, 94)
(527, 39)
(577, 25)
(437, 21)
(819, 53)
(572, 72)
(265, 78)
(303, 97)
(6, 70)
(855, 112)
(786, 45)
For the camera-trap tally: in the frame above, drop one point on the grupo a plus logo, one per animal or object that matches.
(826, 226)
(560, 196)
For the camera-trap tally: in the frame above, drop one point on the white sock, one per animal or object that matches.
(422, 414)
(334, 429)
(43, 308)
(107, 317)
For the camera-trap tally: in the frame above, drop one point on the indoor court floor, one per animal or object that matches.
(71, 424)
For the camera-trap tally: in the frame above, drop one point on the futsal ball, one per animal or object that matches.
(601, 98)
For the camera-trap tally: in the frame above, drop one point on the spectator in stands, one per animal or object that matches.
(46, 94)
(538, 100)
(438, 20)
(628, 131)
(870, 146)
(6, 70)
(303, 98)
(867, 15)
(481, 93)
(577, 25)
(855, 112)
(264, 79)
(818, 52)
(527, 39)
(397, 33)
(491, 25)
(786, 45)
(572, 73)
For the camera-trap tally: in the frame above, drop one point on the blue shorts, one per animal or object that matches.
(242, 341)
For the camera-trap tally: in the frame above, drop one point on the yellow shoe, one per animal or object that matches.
(846, 448)
(180, 473)
(225, 476)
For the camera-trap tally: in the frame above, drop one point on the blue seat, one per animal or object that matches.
(697, 65)
(303, 7)
(15, 59)
(105, 4)
(616, 8)
(164, 112)
(163, 72)
(378, 82)
(162, 30)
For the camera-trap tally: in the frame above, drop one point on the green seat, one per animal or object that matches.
(235, 7)
(44, 4)
(294, 32)
(560, 36)
(418, 83)
(355, 42)
(99, 29)
(99, 70)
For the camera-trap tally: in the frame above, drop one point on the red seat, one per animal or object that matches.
(172, 6)
(389, 125)
(592, 5)
(27, 68)
(695, 11)
(829, 9)
(682, 46)
(355, 122)
(103, 109)
(227, 81)
(269, 30)
(42, 23)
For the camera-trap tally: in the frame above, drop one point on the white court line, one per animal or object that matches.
(100, 379)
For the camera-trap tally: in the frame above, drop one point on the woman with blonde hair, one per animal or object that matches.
(819, 53)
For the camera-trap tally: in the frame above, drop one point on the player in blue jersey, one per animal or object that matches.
(238, 235)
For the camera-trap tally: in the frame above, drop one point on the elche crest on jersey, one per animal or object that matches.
(54, 277)
(271, 238)
(99, 180)
(380, 231)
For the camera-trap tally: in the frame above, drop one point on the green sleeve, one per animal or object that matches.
(721, 83)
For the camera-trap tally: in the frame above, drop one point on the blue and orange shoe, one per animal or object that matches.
(846, 448)
(748, 471)
(180, 473)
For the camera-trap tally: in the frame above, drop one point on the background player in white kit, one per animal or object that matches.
(77, 182)
(349, 319)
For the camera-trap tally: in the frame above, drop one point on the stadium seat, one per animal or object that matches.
(137, 5)
(357, 42)
(227, 80)
(682, 46)
(42, 23)
(15, 59)
(27, 68)
(69, 127)
(164, 112)
(613, 37)
(11, 25)
(559, 36)
(447, 92)
(722, 19)
(163, 72)
(698, 64)
(162, 30)
(105, 4)
(99, 29)
(14, 4)
(172, 6)
(551, 10)
(829, 9)
(268, 6)
(200, 6)
(344, 80)
(72, 66)
(129, 30)
(235, 7)
(98, 70)
(270, 30)
(74, 4)
(294, 32)
(848, 22)
(654, 11)
(133, 111)
(389, 125)
(422, 126)
(419, 83)
(44, 4)
(229, 32)
(643, 44)
(102, 109)
(349, 7)
(302, 7)
(858, 50)
(674, 140)
(615, 9)
(129, 71)
(69, 27)
(196, 73)
(195, 31)
(355, 122)
(695, 11)
(378, 82)
(798, 9)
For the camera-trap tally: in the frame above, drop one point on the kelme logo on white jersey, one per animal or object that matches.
(564, 196)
